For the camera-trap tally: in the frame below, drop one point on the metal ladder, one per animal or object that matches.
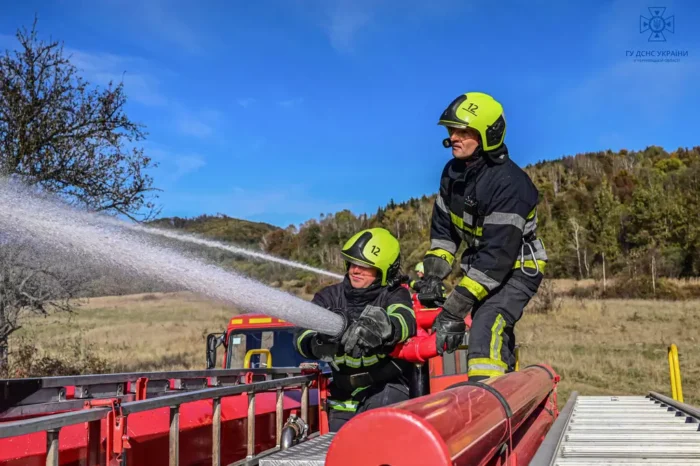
(622, 430)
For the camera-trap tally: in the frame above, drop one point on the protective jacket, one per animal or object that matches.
(490, 203)
(352, 376)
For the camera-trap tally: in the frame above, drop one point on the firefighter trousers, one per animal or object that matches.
(491, 337)
(390, 393)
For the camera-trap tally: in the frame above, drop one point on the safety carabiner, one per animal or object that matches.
(522, 259)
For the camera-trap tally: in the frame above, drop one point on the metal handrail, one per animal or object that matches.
(53, 421)
(547, 452)
(94, 379)
(689, 410)
(209, 393)
(52, 424)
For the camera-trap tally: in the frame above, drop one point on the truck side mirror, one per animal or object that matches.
(214, 340)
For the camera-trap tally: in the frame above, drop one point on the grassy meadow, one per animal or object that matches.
(610, 346)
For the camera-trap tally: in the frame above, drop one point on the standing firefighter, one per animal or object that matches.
(378, 313)
(487, 201)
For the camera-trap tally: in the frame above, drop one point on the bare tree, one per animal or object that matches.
(576, 229)
(62, 135)
(59, 133)
(31, 284)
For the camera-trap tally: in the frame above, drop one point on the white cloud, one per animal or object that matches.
(141, 85)
(246, 102)
(161, 17)
(199, 124)
(191, 126)
(186, 164)
(344, 21)
(291, 102)
(168, 21)
(101, 68)
(172, 165)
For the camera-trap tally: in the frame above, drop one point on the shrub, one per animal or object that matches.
(27, 360)
(545, 301)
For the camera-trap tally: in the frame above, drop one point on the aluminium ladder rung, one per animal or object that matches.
(622, 450)
(624, 431)
(630, 429)
(624, 462)
(648, 438)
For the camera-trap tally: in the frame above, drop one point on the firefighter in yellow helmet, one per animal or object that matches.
(488, 202)
(419, 273)
(378, 313)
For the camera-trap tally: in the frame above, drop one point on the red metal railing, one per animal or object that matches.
(108, 418)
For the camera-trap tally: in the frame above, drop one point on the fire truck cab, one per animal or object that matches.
(255, 341)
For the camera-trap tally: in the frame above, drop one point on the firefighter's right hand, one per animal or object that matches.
(368, 333)
(450, 331)
(323, 350)
(431, 291)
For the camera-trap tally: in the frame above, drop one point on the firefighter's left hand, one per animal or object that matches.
(323, 350)
(369, 332)
(449, 331)
(449, 325)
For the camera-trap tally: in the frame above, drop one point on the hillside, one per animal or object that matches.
(219, 227)
(634, 211)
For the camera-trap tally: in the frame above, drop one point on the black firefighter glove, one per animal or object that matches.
(322, 349)
(431, 291)
(449, 325)
(368, 333)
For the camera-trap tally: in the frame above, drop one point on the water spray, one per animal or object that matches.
(190, 238)
(108, 242)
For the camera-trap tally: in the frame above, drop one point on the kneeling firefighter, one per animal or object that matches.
(488, 202)
(378, 313)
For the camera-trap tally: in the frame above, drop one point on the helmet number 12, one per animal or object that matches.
(375, 250)
(472, 108)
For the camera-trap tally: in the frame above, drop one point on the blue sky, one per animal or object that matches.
(278, 111)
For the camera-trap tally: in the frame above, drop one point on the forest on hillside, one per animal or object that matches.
(626, 213)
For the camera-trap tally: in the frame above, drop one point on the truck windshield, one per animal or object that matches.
(280, 343)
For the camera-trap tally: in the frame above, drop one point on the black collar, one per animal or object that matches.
(496, 156)
(362, 295)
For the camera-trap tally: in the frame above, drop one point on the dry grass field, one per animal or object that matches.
(141, 332)
(619, 347)
(597, 346)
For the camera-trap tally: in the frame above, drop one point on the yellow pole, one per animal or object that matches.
(249, 354)
(672, 373)
(517, 359)
(677, 364)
